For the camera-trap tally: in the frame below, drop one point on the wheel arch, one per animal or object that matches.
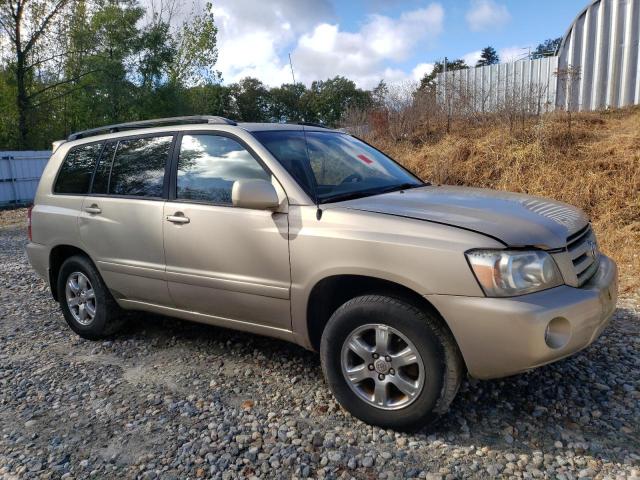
(57, 257)
(331, 292)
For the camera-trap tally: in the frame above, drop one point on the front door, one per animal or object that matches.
(227, 262)
(122, 218)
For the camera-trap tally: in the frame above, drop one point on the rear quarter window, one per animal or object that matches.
(77, 169)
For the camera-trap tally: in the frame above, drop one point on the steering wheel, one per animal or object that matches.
(353, 178)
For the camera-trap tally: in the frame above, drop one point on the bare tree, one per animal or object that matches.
(568, 79)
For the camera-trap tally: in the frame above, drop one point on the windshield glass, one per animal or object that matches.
(333, 166)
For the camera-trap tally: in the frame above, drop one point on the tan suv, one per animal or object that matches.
(313, 236)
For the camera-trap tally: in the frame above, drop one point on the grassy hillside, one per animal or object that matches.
(595, 166)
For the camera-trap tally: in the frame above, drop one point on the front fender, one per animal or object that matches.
(425, 257)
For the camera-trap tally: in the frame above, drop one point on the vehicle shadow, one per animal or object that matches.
(581, 401)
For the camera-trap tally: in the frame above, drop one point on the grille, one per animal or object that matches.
(583, 251)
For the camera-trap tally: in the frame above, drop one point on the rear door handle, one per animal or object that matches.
(178, 217)
(94, 209)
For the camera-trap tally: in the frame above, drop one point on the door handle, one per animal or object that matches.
(94, 209)
(178, 217)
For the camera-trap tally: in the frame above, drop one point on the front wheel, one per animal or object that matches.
(390, 363)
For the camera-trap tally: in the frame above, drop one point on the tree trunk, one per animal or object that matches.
(22, 101)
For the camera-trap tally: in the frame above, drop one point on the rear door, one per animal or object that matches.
(228, 262)
(56, 212)
(121, 221)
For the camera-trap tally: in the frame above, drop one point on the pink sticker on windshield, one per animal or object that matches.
(365, 159)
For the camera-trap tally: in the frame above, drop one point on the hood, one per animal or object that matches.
(515, 219)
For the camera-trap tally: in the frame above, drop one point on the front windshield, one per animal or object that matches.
(333, 166)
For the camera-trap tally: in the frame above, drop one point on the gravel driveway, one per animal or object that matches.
(170, 399)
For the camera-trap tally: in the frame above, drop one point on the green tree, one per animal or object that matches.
(251, 99)
(548, 48)
(379, 94)
(117, 41)
(428, 81)
(329, 99)
(196, 51)
(488, 56)
(210, 99)
(285, 103)
(27, 25)
(8, 109)
(157, 53)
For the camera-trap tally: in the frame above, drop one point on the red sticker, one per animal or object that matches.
(365, 159)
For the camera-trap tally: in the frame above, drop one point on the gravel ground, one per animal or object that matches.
(170, 399)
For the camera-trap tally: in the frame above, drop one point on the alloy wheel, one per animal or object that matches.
(382, 366)
(81, 298)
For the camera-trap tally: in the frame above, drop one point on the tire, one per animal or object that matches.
(107, 318)
(358, 323)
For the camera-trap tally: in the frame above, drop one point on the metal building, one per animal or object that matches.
(597, 65)
(603, 45)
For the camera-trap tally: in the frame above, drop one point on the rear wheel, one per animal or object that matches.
(87, 304)
(390, 363)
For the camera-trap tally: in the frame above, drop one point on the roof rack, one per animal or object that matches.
(158, 122)
(312, 124)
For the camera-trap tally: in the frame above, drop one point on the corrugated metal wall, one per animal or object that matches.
(494, 87)
(603, 44)
(597, 67)
(19, 175)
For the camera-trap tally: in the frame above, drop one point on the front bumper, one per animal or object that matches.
(503, 336)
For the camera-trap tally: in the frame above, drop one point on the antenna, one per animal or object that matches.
(291, 65)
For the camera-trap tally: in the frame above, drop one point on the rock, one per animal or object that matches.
(367, 462)
(158, 402)
(586, 473)
(335, 456)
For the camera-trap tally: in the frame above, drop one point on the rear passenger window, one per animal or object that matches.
(139, 165)
(77, 169)
(208, 166)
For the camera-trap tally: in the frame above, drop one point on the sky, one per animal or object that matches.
(371, 40)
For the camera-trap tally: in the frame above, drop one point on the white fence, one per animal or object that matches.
(19, 175)
(488, 89)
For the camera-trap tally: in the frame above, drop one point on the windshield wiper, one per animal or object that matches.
(349, 196)
(341, 197)
(402, 186)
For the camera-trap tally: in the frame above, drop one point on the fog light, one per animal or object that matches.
(557, 333)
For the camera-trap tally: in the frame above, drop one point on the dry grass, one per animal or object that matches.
(596, 169)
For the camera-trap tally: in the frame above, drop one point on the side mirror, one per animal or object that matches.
(255, 193)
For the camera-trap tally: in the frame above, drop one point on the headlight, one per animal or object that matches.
(507, 273)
